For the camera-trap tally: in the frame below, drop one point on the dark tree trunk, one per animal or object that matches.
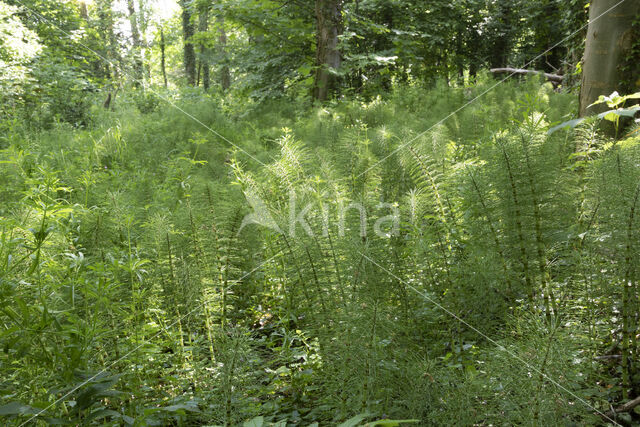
(609, 41)
(547, 33)
(473, 70)
(459, 55)
(329, 23)
(203, 27)
(502, 45)
(162, 57)
(189, 54)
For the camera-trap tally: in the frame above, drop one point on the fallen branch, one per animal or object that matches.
(551, 77)
(624, 408)
(609, 357)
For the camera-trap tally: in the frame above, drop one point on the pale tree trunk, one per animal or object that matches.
(609, 40)
(189, 54)
(84, 12)
(98, 67)
(106, 28)
(225, 73)
(137, 47)
(203, 27)
(143, 25)
(329, 25)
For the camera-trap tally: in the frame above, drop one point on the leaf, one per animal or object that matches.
(180, 407)
(353, 422)
(256, 422)
(609, 100)
(97, 391)
(613, 115)
(571, 123)
(615, 99)
(102, 413)
(18, 408)
(304, 70)
(391, 423)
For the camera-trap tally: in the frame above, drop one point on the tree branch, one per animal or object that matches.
(624, 408)
(551, 77)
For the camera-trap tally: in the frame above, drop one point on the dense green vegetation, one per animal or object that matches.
(122, 257)
(200, 236)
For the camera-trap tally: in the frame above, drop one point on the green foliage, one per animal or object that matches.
(614, 115)
(425, 248)
(18, 47)
(135, 293)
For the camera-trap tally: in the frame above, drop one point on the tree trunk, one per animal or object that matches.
(189, 57)
(547, 33)
(225, 74)
(106, 28)
(143, 26)
(329, 23)
(84, 12)
(608, 43)
(503, 41)
(203, 27)
(162, 57)
(137, 46)
(555, 78)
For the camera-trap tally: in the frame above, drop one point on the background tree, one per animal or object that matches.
(328, 59)
(203, 27)
(225, 73)
(137, 43)
(163, 66)
(609, 41)
(18, 47)
(189, 53)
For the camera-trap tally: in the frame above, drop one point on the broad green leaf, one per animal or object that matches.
(181, 407)
(615, 99)
(17, 408)
(614, 115)
(102, 413)
(304, 70)
(390, 423)
(255, 422)
(354, 421)
(570, 124)
(610, 115)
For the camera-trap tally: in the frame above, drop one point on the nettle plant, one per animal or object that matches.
(614, 101)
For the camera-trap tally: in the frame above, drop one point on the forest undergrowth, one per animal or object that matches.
(356, 262)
